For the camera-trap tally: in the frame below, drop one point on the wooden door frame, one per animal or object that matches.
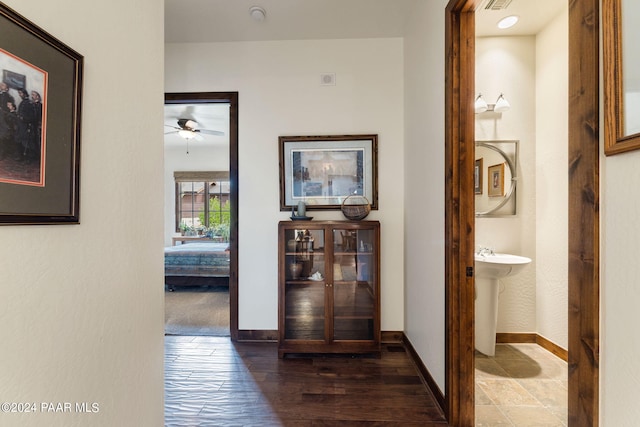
(232, 99)
(583, 209)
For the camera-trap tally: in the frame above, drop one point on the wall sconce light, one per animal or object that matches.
(501, 105)
(480, 105)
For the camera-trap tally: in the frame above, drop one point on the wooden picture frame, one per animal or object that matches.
(477, 177)
(495, 178)
(324, 170)
(620, 77)
(40, 158)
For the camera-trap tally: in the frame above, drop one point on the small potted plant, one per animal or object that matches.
(183, 228)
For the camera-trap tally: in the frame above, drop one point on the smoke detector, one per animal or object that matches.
(257, 13)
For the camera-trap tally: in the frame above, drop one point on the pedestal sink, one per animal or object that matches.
(490, 268)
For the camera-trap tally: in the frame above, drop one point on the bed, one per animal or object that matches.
(196, 263)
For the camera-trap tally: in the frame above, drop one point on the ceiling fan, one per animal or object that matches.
(188, 129)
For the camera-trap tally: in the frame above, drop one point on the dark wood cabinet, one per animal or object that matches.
(329, 287)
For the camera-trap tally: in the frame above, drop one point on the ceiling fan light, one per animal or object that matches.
(186, 134)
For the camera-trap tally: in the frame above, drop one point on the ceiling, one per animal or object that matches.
(534, 16)
(196, 21)
(229, 20)
(199, 21)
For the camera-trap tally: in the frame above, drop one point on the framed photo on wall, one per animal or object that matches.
(496, 180)
(324, 170)
(40, 107)
(477, 177)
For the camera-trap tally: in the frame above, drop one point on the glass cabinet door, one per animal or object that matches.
(305, 274)
(354, 269)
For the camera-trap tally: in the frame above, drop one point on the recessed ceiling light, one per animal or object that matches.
(508, 22)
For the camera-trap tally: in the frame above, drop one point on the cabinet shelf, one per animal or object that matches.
(353, 253)
(304, 282)
(341, 312)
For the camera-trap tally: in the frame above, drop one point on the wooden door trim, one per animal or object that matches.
(583, 256)
(459, 212)
(232, 99)
(584, 205)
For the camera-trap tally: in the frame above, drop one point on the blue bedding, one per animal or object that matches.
(199, 259)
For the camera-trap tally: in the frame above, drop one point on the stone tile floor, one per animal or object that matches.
(522, 385)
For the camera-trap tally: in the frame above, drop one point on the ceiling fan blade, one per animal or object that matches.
(211, 132)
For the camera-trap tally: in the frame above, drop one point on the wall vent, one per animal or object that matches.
(328, 79)
(497, 4)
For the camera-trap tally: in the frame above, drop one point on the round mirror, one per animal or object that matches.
(495, 178)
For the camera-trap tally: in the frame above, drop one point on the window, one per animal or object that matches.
(202, 204)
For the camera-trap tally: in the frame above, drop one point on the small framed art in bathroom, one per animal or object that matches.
(496, 180)
(477, 177)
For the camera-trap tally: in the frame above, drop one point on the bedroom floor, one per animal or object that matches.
(197, 310)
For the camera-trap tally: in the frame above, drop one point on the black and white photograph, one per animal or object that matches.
(23, 102)
(40, 109)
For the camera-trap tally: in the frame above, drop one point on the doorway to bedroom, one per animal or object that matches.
(201, 200)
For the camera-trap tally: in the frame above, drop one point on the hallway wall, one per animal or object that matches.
(424, 176)
(81, 306)
(278, 84)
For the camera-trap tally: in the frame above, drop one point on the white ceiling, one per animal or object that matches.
(229, 20)
(534, 15)
(194, 21)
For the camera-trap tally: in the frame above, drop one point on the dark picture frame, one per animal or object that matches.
(48, 146)
(324, 170)
(477, 176)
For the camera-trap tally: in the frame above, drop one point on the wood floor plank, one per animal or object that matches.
(214, 382)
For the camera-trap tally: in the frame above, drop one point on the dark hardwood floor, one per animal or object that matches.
(210, 381)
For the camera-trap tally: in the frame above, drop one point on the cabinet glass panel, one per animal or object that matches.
(304, 284)
(353, 284)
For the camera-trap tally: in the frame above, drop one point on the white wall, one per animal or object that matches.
(507, 65)
(81, 306)
(280, 94)
(424, 185)
(620, 284)
(552, 74)
(620, 293)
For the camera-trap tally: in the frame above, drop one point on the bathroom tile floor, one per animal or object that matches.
(522, 385)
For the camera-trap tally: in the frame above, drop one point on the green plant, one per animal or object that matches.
(219, 219)
(221, 230)
(184, 228)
